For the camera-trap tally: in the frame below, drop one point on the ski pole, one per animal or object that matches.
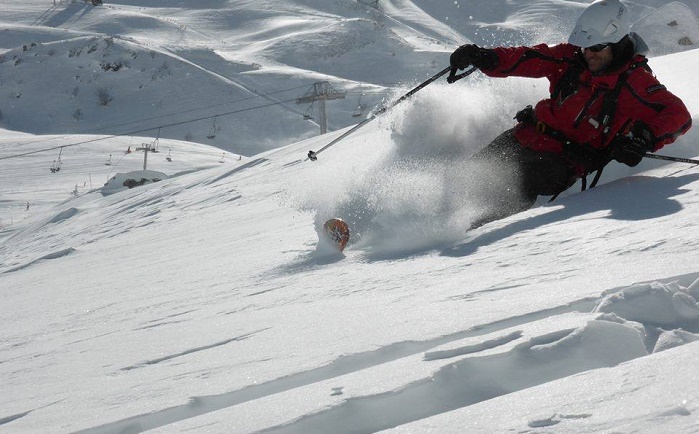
(677, 159)
(313, 155)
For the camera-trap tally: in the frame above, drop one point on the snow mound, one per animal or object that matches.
(670, 29)
(653, 303)
(125, 181)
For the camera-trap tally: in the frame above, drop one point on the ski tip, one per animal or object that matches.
(337, 231)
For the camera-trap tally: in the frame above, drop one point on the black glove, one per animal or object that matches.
(630, 149)
(470, 54)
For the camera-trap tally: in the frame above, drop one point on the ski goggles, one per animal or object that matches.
(597, 48)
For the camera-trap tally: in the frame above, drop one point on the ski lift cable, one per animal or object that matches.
(101, 128)
(93, 130)
(111, 136)
(23, 154)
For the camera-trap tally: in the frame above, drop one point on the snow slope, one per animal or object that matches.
(202, 303)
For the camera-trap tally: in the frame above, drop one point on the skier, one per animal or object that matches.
(605, 104)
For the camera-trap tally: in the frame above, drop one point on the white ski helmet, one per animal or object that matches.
(603, 22)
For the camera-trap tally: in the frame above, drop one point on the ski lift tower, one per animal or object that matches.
(321, 92)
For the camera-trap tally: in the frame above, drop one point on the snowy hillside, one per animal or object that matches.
(229, 73)
(203, 302)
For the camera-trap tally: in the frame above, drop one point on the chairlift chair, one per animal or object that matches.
(156, 142)
(358, 111)
(307, 113)
(57, 163)
(212, 133)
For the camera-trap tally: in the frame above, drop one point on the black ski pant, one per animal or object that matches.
(533, 174)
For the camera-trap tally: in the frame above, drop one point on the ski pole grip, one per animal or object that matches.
(452, 76)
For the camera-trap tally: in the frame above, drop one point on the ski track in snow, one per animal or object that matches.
(190, 351)
(462, 382)
(343, 366)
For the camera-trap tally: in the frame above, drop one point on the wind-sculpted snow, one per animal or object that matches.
(470, 380)
(54, 255)
(456, 372)
(469, 349)
(90, 216)
(64, 215)
(654, 304)
(350, 365)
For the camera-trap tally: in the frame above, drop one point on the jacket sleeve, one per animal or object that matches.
(665, 114)
(534, 62)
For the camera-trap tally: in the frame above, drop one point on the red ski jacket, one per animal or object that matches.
(578, 111)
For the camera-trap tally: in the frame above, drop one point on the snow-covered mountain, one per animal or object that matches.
(229, 73)
(203, 303)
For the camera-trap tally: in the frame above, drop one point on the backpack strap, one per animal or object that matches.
(609, 103)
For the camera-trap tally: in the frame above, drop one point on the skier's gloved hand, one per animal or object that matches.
(471, 54)
(631, 148)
